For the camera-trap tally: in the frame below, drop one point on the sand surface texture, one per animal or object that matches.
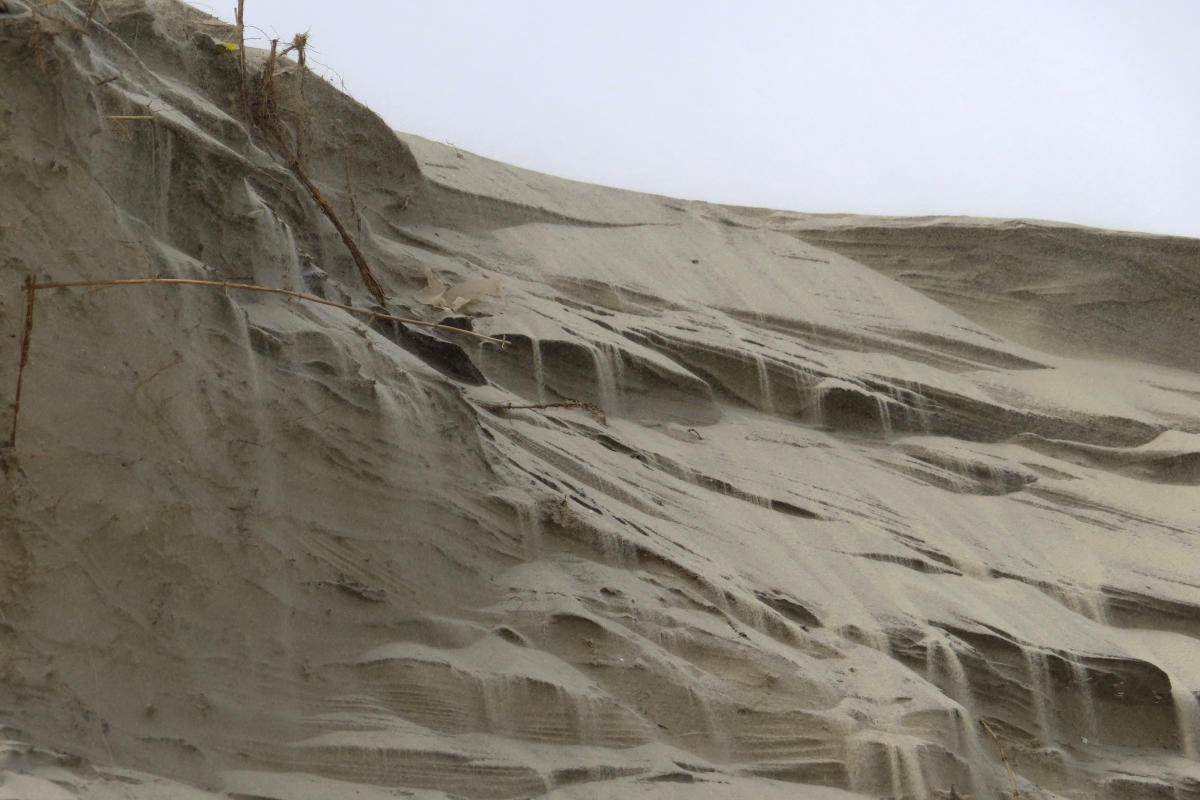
(833, 490)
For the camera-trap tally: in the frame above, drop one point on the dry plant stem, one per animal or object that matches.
(359, 260)
(16, 406)
(268, 117)
(299, 44)
(243, 92)
(539, 406)
(1016, 795)
(253, 288)
(129, 116)
(92, 6)
(350, 195)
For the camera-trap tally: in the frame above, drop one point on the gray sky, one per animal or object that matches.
(1083, 111)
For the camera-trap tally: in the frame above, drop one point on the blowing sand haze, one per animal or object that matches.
(752, 504)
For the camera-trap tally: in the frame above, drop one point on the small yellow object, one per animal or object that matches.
(230, 46)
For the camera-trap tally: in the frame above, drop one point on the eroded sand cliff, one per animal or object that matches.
(843, 489)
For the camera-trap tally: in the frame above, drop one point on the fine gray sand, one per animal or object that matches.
(810, 499)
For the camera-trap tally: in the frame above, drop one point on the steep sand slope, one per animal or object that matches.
(838, 494)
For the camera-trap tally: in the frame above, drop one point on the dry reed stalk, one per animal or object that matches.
(178, 360)
(359, 259)
(266, 111)
(266, 114)
(350, 194)
(40, 10)
(593, 410)
(1013, 778)
(92, 6)
(28, 334)
(226, 285)
(41, 43)
(129, 116)
(300, 45)
(243, 92)
(539, 406)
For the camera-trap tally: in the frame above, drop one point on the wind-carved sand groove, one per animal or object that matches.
(753, 504)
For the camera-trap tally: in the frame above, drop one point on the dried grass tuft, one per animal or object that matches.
(264, 114)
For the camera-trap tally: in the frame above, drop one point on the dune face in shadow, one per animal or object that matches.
(753, 504)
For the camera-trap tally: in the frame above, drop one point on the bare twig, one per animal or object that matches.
(129, 116)
(92, 6)
(266, 114)
(243, 92)
(593, 410)
(538, 406)
(28, 334)
(1016, 794)
(178, 360)
(350, 194)
(226, 285)
(359, 260)
(105, 81)
(299, 44)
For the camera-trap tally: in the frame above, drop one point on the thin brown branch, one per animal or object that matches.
(243, 92)
(1013, 778)
(269, 114)
(299, 44)
(266, 114)
(28, 334)
(226, 285)
(538, 406)
(129, 116)
(593, 410)
(359, 260)
(350, 195)
(105, 81)
(92, 6)
(178, 360)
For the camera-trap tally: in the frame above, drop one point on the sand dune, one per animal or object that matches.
(806, 499)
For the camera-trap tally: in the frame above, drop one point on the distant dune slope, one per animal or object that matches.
(1064, 288)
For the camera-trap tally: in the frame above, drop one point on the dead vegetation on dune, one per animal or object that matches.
(259, 107)
(31, 288)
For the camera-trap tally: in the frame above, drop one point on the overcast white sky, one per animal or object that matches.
(1084, 111)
